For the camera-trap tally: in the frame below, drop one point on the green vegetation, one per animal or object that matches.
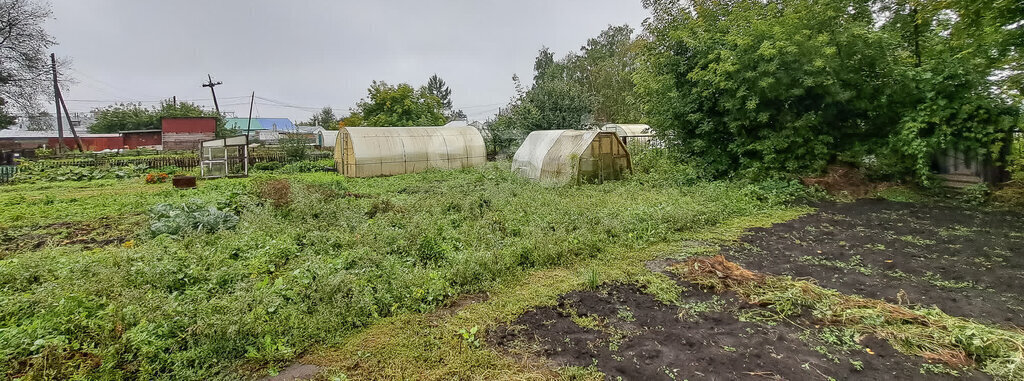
(592, 87)
(312, 258)
(397, 106)
(791, 86)
(129, 117)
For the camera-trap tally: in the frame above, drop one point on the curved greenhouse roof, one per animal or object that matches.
(629, 129)
(572, 155)
(385, 151)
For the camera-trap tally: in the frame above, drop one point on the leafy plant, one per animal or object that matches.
(975, 194)
(469, 337)
(306, 166)
(193, 215)
(295, 147)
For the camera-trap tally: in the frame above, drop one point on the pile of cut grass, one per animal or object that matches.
(928, 332)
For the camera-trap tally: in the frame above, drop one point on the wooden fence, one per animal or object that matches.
(183, 161)
(7, 172)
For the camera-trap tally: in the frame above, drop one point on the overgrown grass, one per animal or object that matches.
(926, 332)
(310, 263)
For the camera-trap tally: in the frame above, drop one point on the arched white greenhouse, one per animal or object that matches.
(385, 151)
(572, 156)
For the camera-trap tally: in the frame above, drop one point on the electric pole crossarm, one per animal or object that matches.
(211, 84)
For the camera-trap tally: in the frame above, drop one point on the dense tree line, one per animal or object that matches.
(792, 85)
(789, 86)
(134, 117)
(580, 90)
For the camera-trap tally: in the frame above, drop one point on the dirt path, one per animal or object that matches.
(969, 263)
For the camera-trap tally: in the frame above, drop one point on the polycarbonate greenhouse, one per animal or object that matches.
(631, 133)
(628, 129)
(572, 156)
(385, 151)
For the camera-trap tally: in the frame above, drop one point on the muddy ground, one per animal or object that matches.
(88, 235)
(966, 262)
(627, 334)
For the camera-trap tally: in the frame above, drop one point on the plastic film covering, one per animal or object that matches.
(572, 155)
(385, 151)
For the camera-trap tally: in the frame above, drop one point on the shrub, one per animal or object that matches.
(295, 147)
(267, 166)
(781, 192)
(975, 194)
(190, 216)
(306, 166)
(658, 166)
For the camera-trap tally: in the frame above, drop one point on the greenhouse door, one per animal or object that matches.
(605, 158)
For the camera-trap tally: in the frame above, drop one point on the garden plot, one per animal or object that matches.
(627, 334)
(891, 264)
(969, 263)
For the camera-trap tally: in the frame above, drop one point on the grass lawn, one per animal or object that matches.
(320, 265)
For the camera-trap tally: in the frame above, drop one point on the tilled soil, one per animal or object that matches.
(90, 234)
(629, 335)
(968, 263)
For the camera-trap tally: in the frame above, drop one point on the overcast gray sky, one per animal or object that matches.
(310, 54)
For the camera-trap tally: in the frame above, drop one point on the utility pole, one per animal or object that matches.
(174, 100)
(248, 126)
(78, 140)
(56, 100)
(211, 85)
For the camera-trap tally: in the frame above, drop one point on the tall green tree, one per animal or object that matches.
(324, 118)
(133, 117)
(551, 104)
(788, 86)
(594, 86)
(438, 88)
(398, 106)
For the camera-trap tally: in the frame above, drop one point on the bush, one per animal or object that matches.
(306, 166)
(267, 166)
(781, 192)
(295, 147)
(658, 166)
(976, 194)
(190, 216)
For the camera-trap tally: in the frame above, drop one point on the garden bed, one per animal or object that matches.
(776, 317)
(968, 262)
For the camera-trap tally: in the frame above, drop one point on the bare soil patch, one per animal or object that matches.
(967, 262)
(626, 333)
(88, 234)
